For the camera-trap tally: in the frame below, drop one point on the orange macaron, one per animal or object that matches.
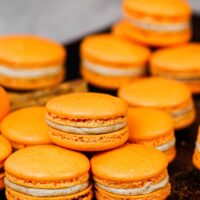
(26, 127)
(47, 172)
(196, 155)
(133, 171)
(4, 103)
(169, 95)
(154, 128)
(109, 62)
(155, 22)
(30, 62)
(181, 63)
(5, 151)
(87, 121)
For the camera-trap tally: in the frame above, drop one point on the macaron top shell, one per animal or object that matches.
(26, 126)
(155, 92)
(148, 123)
(5, 148)
(159, 8)
(46, 163)
(184, 58)
(29, 51)
(87, 106)
(113, 50)
(130, 162)
(4, 103)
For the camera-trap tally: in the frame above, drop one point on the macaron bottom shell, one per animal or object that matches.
(159, 194)
(170, 154)
(89, 142)
(84, 195)
(152, 38)
(196, 159)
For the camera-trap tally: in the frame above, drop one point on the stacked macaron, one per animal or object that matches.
(4, 103)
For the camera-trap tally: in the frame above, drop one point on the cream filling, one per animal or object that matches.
(38, 192)
(86, 131)
(147, 25)
(110, 71)
(182, 112)
(146, 189)
(30, 73)
(198, 147)
(166, 146)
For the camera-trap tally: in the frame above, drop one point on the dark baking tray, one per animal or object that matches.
(184, 177)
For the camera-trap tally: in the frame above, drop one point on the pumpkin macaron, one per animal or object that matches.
(30, 62)
(169, 95)
(4, 103)
(5, 151)
(196, 155)
(156, 23)
(87, 121)
(47, 172)
(132, 171)
(180, 63)
(152, 127)
(110, 62)
(26, 127)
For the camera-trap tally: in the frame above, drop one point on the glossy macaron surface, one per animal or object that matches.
(5, 148)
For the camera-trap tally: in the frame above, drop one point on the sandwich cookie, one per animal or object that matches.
(47, 172)
(131, 172)
(30, 62)
(155, 23)
(5, 151)
(169, 95)
(181, 63)
(87, 121)
(110, 62)
(4, 103)
(26, 127)
(154, 128)
(196, 156)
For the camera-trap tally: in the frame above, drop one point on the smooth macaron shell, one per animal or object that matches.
(4, 103)
(34, 132)
(109, 61)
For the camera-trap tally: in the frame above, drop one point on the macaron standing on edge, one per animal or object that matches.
(26, 127)
(5, 151)
(109, 61)
(87, 121)
(30, 62)
(169, 95)
(154, 128)
(47, 172)
(196, 155)
(132, 171)
(4, 103)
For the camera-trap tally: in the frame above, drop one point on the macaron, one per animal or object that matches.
(26, 127)
(155, 23)
(30, 62)
(5, 151)
(87, 121)
(196, 155)
(154, 128)
(181, 63)
(109, 62)
(132, 171)
(47, 172)
(169, 95)
(4, 103)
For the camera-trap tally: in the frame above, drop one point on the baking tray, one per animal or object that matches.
(185, 179)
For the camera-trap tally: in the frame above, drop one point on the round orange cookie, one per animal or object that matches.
(87, 121)
(110, 62)
(169, 95)
(196, 155)
(47, 172)
(154, 128)
(155, 23)
(30, 62)
(4, 103)
(26, 127)
(131, 172)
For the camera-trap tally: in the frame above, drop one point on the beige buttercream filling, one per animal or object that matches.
(182, 112)
(166, 146)
(111, 71)
(146, 189)
(147, 25)
(86, 131)
(38, 192)
(30, 73)
(198, 146)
